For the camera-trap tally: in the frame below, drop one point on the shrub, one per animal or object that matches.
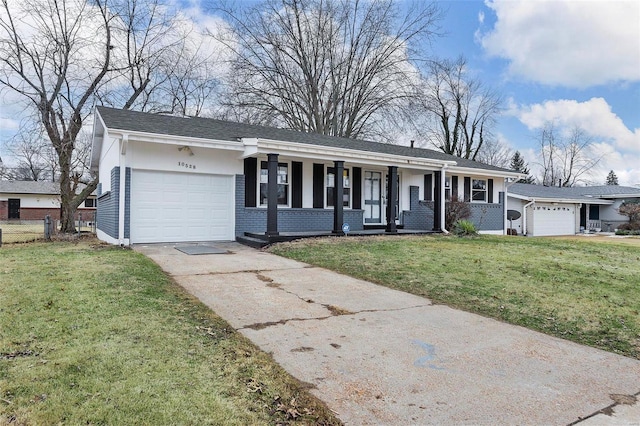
(631, 226)
(631, 209)
(627, 232)
(464, 228)
(454, 211)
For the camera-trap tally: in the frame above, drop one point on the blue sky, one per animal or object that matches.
(574, 62)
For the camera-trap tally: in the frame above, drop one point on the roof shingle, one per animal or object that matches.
(209, 128)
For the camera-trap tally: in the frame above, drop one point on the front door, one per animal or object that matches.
(14, 208)
(372, 197)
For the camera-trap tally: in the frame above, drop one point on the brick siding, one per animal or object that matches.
(254, 219)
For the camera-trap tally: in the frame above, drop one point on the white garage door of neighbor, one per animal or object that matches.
(554, 220)
(174, 207)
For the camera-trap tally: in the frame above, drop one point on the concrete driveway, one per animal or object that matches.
(380, 356)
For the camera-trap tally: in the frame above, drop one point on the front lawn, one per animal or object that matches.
(91, 334)
(585, 291)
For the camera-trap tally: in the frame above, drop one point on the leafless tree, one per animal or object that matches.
(495, 153)
(458, 111)
(29, 150)
(565, 158)
(59, 56)
(326, 66)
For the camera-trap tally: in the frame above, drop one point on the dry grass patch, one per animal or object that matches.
(91, 334)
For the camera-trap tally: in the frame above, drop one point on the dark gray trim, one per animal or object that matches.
(490, 191)
(454, 187)
(428, 187)
(437, 201)
(318, 186)
(467, 189)
(251, 182)
(338, 194)
(107, 213)
(356, 185)
(272, 194)
(296, 184)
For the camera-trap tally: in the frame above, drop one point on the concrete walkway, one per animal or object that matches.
(380, 356)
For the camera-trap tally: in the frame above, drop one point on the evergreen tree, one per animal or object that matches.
(612, 179)
(518, 164)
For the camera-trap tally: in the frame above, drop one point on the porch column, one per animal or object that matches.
(338, 189)
(437, 201)
(272, 194)
(392, 196)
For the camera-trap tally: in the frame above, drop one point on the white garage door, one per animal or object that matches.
(173, 207)
(554, 219)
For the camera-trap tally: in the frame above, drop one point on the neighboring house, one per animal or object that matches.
(33, 200)
(567, 211)
(171, 179)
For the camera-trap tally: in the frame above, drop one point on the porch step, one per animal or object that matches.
(252, 241)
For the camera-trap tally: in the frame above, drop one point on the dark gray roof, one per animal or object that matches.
(209, 128)
(29, 187)
(604, 191)
(577, 192)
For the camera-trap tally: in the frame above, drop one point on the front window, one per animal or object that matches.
(346, 183)
(479, 190)
(283, 183)
(90, 202)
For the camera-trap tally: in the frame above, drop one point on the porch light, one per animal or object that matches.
(187, 149)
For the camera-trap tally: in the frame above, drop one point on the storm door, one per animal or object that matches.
(372, 197)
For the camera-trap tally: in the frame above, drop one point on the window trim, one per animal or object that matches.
(475, 190)
(347, 186)
(288, 184)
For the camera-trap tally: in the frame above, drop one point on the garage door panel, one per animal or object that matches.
(173, 207)
(554, 220)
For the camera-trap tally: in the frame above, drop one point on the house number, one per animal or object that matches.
(186, 165)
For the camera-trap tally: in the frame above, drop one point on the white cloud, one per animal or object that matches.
(481, 17)
(593, 116)
(624, 165)
(568, 43)
(8, 124)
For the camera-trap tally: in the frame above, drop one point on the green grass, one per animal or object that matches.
(91, 334)
(584, 291)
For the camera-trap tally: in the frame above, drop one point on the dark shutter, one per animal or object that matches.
(296, 184)
(250, 181)
(356, 185)
(467, 189)
(428, 187)
(490, 191)
(454, 187)
(437, 201)
(318, 186)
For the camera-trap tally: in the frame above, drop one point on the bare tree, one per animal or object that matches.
(27, 148)
(565, 157)
(326, 66)
(495, 153)
(58, 55)
(459, 109)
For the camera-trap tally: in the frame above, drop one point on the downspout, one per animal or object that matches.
(122, 190)
(443, 199)
(524, 216)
